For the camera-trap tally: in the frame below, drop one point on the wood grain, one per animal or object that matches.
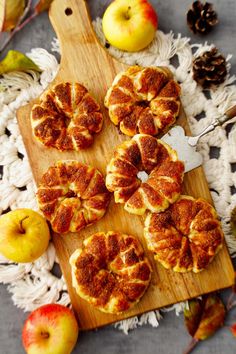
(84, 60)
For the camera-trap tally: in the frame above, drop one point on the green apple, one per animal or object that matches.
(130, 24)
(50, 329)
(24, 235)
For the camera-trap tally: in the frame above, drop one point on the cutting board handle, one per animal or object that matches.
(72, 24)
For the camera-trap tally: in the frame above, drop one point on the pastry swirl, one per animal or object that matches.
(72, 195)
(143, 100)
(185, 237)
(111, 271)
(156, 158)
(66, 117)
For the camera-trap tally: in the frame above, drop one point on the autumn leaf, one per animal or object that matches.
(19, 14)
(42, 5)
(234, 286)
(204, 317)
(192, 316)
(233, 329)
(2, 14)
(212, 318)
(10, 13)
(16, 61)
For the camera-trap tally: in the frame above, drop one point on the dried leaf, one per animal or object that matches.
(16, 61)
(233, 329)
(43, 5)
(234, 286)
(192, 316)
(2, 13)
(233, 221)
(212, 318)
(204, 317)
(13, 10)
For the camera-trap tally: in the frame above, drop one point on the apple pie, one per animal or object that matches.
(185, 237)
(155, 158)
(143, 100)
(72, 195)
(66, 117)
(111, 271)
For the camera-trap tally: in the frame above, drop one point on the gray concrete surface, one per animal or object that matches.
(171, 336)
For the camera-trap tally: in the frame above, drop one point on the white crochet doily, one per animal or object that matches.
(34, 284)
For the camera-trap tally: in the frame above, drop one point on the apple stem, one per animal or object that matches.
(127, 16)
(44, 335)
(22, 230)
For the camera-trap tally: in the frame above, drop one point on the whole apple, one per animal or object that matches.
(24, 235)
(130, 24)
(50, 329)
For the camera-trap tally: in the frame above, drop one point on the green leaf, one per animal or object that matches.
(233, 221)
(43, 5)
(204, 317)
(16, 61)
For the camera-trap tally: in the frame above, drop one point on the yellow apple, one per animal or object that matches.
(130, 24)
(24, 235)
(50, 329)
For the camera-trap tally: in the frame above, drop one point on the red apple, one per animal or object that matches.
(130, 24)
(50, 329)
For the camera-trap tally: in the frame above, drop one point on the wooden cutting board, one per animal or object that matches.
(84, 60)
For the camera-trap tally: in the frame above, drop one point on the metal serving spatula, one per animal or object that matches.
(186, 145)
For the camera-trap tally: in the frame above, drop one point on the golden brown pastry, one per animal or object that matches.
(111, 271)
(156, 158)
(72, 195)
(185, 237)
(66, 117)
(143, 100)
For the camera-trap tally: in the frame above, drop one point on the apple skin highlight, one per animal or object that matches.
(50, 329)
(130, 25)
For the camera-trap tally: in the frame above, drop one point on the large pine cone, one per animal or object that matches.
(209, 69)
(111, 271)
(201, 18)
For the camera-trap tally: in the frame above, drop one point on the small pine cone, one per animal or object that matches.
(209, 69)
(201, 17)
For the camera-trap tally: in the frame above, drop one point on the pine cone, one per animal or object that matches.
(201, 17)
(209, 69)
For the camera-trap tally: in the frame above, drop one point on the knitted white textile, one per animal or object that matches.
(34, 284)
